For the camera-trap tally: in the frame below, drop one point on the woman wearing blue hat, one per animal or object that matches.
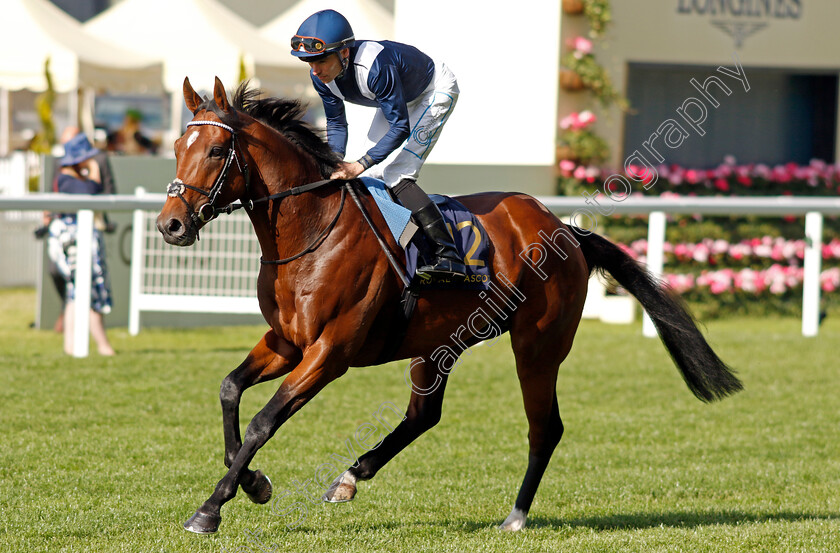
(80, 174)
(414, 96)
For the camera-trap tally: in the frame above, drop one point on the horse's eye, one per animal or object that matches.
(216, 151)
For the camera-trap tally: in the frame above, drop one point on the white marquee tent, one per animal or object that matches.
(36, 30)
(367, 17)
(369, 21)
(199, 39)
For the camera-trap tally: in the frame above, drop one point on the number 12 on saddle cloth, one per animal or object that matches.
(470, 238)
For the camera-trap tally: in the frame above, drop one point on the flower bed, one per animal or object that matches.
(753, 265)
(745, 253)
(818, 178)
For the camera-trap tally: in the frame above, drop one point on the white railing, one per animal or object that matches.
(16, 239)
(812, 207)
(19, 251)
(218, 274)
(14, 173)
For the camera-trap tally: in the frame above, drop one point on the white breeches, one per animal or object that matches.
(427, 115)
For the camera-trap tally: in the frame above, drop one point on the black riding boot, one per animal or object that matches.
(447, 262)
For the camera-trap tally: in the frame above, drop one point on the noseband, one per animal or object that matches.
(208, 211)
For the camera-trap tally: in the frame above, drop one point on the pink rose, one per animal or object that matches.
(701, 253)
(693, 176)
(582, 45)
(718, 287)
(568, 121)
(722, 185)
(567, 165)
(586, 117)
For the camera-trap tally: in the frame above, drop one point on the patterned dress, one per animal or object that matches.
(62, 247)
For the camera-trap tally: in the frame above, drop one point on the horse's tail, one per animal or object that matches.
(703, 371)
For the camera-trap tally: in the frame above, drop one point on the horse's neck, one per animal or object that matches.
(286, 228)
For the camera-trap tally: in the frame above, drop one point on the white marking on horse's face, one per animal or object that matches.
(193, 137)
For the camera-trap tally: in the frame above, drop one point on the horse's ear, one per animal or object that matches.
(220, 96)
(191, 97)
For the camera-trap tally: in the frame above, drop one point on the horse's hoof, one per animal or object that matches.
(343, 489)
(515, 521)
(203, 523)
(260, 490)
(340, 493)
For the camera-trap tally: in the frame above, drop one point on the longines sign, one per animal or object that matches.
(741, 18)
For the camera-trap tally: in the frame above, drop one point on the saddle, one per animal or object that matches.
(471, 242)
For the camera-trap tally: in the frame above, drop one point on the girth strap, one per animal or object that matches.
(399, 328)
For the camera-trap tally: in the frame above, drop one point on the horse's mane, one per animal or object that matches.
(286, 116)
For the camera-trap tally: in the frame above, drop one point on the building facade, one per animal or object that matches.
(752, 79)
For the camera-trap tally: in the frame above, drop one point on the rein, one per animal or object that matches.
(315, 243)
(208, 211)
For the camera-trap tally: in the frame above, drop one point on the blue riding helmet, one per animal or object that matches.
(322, 33)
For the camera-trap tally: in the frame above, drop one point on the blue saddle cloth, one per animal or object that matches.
(470, 239)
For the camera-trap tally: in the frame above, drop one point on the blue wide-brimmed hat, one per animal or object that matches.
(77, 150)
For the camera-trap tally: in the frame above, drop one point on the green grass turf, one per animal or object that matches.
(114, 454)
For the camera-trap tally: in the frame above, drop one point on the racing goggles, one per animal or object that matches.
(314, 45)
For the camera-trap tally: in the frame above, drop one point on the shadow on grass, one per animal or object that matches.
(184, 350)
(632, 521)
(686, 519)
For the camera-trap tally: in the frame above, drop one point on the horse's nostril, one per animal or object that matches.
(174, 227)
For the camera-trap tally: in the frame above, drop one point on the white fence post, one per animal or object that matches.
(811, 284)
(138, 229)
(655, 260)
(84, 262)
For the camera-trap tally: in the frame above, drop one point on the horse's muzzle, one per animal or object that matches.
(175, 231)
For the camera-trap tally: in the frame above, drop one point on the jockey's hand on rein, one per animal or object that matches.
(347, 170)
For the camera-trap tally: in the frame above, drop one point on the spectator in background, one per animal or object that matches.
(80, 174)
(128, 139)
(103, 224)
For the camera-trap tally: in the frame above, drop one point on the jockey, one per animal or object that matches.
(414, 96)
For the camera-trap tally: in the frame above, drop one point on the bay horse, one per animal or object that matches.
(331, 299)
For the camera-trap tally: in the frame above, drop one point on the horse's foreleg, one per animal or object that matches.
(303, 383)
(424, 410)
(271, 358)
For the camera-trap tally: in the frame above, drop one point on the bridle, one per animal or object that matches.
(209, 211)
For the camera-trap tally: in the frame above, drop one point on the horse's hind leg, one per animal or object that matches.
(424, 410)
(537, 362)
(271, 358)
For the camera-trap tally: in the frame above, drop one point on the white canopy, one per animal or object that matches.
(369, 21)
(368, 18)
(200, 39)
(34, 30)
